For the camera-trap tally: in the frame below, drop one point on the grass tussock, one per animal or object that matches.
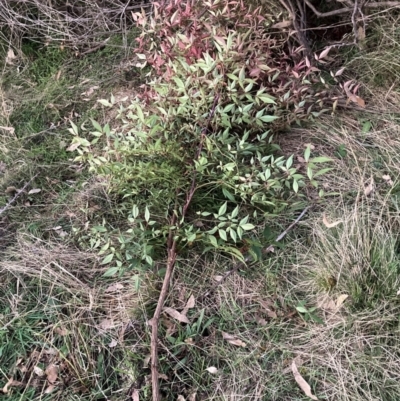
(54, 313)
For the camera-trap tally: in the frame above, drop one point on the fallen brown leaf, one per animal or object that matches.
(114, 287)
(10, 190)
(34, 191)
(106, 324)
(387, 179)
(49, 389)
(11, 130)
(340, 300)
(52, 373)
(146, 360)
(370, 187)
(10, 56)
(330, 225)
(301, 382)
(282, 24)
(49, 351)
(268, 306)
(10, 383)
(62, 331)
(312, 147)
(170, 325)
(176, 315)
(261, 321)
(189, 305)
(38, 371)
(233, 340)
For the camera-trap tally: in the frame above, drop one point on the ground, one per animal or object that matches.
(326, 301)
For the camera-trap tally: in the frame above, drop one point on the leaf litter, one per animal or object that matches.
(176, 315)
(231, 339)
(328, 224)
(301, 382)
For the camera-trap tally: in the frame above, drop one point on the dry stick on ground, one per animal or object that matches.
(172, 254)
(19, 192)
(270, 248)
(351, 9)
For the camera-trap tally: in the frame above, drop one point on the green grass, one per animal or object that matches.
(55, 308)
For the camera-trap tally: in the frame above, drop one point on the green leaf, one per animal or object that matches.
(247, 226)
(307, 153)
(140, 113)
(244, 220)
(222, 209)
(289, 162)
(213, 240)
(222, 235)
(235, 212)
(136, 280)
(107, 259)
(111, 271)
(213, 230)
(228, 195)
(105, 102)
(233, 235)
(179, 82)
(301, 309)
(147, 214)
(228, 108)
(266, 99)
(96, 125)
(234, 252)
(268, 119)
(323, 171)
(295, 186)
(321, 159)
(135, 211)
(74, 128)
(366, 127)
(242, 74)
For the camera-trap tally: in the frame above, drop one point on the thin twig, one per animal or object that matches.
(19, 192)
(354, 21)
(389, 4)
(154, 322)
(270, 248)
(172, 255)
(283, 234)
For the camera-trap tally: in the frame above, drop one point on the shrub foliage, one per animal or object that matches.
(197, 140)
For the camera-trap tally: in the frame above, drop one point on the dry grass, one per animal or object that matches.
(55, 312)
(76, 24)
(55, 308)
(349, 272)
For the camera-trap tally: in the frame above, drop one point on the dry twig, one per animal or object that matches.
(19, 192)
(347, 10)
(270, 248)
(172, 254)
